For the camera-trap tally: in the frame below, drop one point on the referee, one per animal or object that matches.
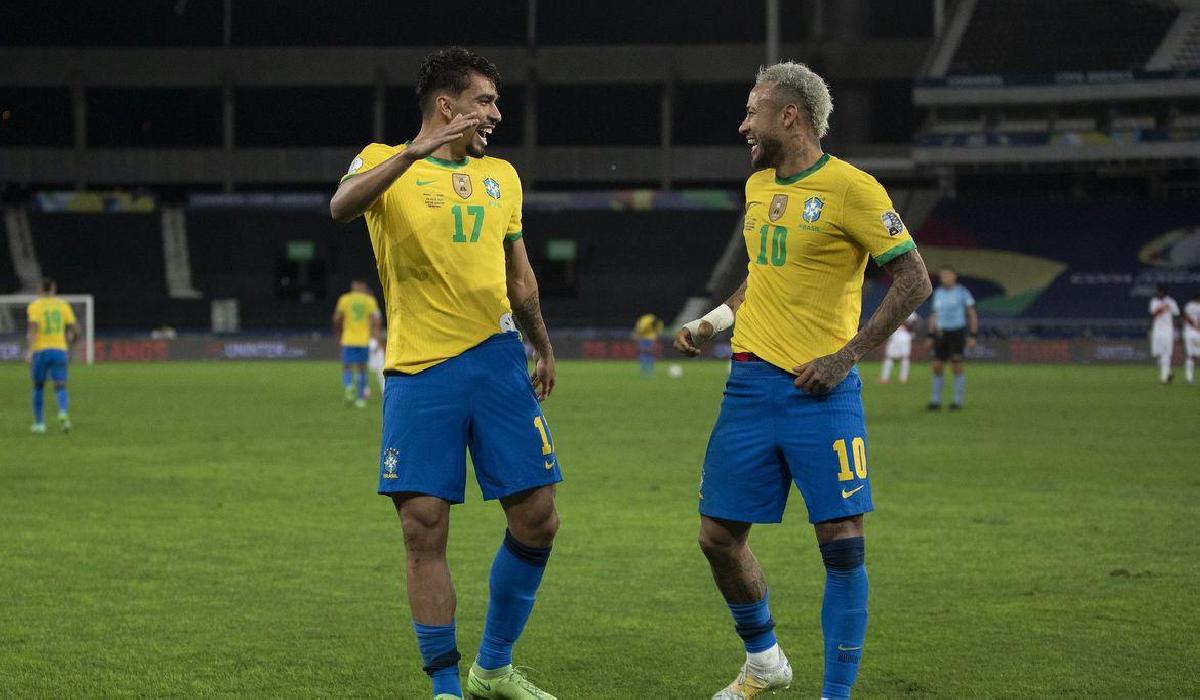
(953, 326)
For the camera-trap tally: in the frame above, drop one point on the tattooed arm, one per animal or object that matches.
(910, 287)
(527, 310)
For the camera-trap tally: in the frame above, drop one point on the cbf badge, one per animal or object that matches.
(778, 206)
(891, 222)
(492, 188)
(462, 185)
(812, 209)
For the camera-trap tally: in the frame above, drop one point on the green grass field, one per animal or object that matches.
(213, 529)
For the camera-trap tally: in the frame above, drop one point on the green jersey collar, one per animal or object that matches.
(803, 173)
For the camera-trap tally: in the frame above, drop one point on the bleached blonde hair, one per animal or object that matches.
(799, 82)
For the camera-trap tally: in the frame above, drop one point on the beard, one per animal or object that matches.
(769, 151)
(475, 151)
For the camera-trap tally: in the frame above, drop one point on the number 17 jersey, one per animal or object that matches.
(808, 237)
(438, 233)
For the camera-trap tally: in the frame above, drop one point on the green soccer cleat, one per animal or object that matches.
(349, 395)
(752, 683)
(505, 683)
(64, 421)
(38, 429)
(360, 403)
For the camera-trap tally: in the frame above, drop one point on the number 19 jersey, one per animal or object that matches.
(438, 233)
(808, 237)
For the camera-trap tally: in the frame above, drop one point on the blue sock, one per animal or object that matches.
(347, 378)
(843, 614)
(754, 624)
(439, 654)
(516, 574)
(960, 388)
(38, 399)
(60, 396)
(361, 388)
(647, 364)
(938, 382)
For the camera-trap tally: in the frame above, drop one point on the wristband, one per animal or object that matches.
(720, 318)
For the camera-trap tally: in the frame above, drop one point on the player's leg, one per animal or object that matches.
(905, 362)
(347, 376)
(744, 481)
(426, 524)
(1191, 346)
(37, 373)
(827, 452)
(938, 368)
(960, 382)
(58, 373)
(360, 384)
(844, 609)
(885, 372)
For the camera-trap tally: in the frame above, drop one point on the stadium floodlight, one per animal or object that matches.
(12, 306)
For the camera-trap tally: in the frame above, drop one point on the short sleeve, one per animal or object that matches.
(368, 158)
(341, 305)
(968, 298)
(872, 221)
(514, 229)
(68, 315)
(31, 312)
(1153, 306)
(374, 305)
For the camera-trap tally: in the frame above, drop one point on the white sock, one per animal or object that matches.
(886, 372)
(1164, 367)
(769, 659)
(904, 362)
(1190, 368)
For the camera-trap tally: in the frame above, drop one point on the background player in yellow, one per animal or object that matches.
(793, 408)
(646, 331)
(51, 330)
(356, 321)
(445, 224)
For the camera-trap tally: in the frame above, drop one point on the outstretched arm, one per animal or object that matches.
(30, 335)
(527, 310)
(696, 333)
(910, 287)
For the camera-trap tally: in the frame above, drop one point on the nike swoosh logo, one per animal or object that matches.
(422, 183)
(842, 648)
(549, 464)
(848, 494)
(482, 684)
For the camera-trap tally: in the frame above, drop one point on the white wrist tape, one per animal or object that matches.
(720, 318)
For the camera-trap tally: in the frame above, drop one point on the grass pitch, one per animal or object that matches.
(213, 529)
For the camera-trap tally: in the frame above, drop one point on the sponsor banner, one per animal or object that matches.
(1096, 77)
(93, 202)
(569, 344)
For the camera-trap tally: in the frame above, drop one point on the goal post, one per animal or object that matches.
(12, 318)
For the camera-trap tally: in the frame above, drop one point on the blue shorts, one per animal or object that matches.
(771, 433)
(646, 347)
(52, 363)
(355, 354)
(480, 401)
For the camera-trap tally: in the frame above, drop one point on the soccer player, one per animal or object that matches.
(445, 224)
(51, 330)
(953, 327)
(646, 331)
(1191, 336)
(793, 410)
(1163, 311)
(356, 319)
(899, 348)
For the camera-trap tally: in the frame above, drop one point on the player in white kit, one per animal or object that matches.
(899, 348)
(1191, 335)
(1163, 311)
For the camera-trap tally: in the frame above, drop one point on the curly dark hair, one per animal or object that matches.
(450, 69)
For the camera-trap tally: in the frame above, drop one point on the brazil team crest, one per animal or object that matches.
(462, 185)
(391, 459)
(778, 206)
(492, 188)
(812, 209)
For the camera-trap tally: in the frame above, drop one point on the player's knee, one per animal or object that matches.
(538, 531)
(848, 553)
(716, 543)
(425, 531)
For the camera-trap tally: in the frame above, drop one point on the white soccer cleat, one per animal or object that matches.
(753, 682)
(38, 429)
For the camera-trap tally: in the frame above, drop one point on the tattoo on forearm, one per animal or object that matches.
(528, 314)
(910, 287)
(739, 295)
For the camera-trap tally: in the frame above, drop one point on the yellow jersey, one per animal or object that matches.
(356, 309)
(438, 233)
(52, 316)
(648, 327)
(808, 238)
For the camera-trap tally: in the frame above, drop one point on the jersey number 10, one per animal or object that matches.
(778, 235)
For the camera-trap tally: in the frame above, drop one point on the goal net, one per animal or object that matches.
(13, 325)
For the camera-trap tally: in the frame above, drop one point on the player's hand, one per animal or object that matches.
(929, 343)
(543, 375)
(971, 342)
(686, 344)
(29, 357)
(453, 131)
(821, 375)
